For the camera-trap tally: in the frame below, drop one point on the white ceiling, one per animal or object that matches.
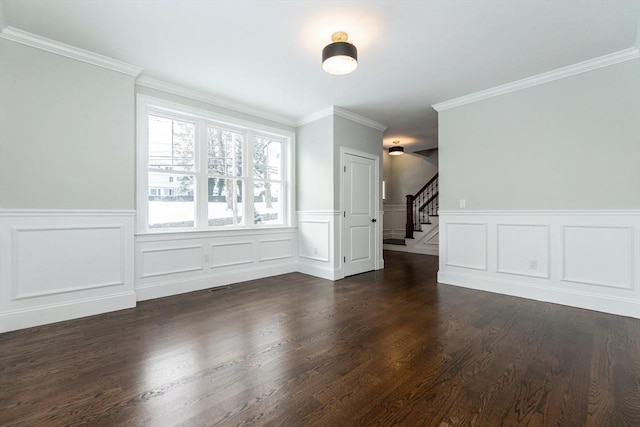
(266, 54)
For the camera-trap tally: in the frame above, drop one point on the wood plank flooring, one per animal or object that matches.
(384, 348)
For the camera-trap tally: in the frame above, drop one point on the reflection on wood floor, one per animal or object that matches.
(383, 348)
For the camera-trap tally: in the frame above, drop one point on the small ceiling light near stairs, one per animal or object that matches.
(396, 150)
(339, 57)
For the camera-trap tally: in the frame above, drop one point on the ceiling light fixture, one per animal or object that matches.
(396, 150)
(339, 57)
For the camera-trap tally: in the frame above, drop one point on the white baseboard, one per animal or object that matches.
(613, 305)
(190, 284)
(35, 316)
(321, 272)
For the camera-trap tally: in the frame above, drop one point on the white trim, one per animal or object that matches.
(580, 212)
(211, 99)
(39, 42)
(320, 271)
(319, 212)
(41, 315)
(203, 234)
(216, 279)
(598, 302)
(560, 73)
(315, 116)
(345, 114)
(64, 212)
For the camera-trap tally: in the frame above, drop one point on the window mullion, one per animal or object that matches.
(202, 181)
(247, 167)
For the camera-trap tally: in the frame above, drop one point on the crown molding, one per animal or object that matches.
(560, 73)
(345, 114)
(316, 116)
(33, 40)
(211, 99)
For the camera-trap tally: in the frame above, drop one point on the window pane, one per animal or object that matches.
(171, 144)
(224, 152)
(267, 158)
(225, 202)
(171, 200)
(267, 203)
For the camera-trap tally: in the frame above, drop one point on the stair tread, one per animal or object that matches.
(400, 242)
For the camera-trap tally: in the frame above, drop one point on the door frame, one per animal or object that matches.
(378, 224)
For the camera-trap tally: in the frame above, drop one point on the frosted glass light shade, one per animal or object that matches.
(339, 58)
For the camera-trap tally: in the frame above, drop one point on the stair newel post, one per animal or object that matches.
(409, 225)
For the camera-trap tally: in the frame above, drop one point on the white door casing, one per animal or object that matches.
(360, 211)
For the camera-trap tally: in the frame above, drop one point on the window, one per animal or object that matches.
(198, 171)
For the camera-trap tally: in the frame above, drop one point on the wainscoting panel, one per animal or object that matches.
(276, 249)
(207, 259)
(315, 237)
(61, 265)
(598, 255)
(586, 259)
(319, 243)
(56, 260)
(395, 219)
(162, 261)
(235, 253)
(467, 246)
(516, 257)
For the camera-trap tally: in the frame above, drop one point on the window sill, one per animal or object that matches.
(147, 236)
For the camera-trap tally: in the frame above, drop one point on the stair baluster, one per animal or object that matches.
(423, 203)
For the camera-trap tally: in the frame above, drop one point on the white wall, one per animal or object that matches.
(551, 179)
(572, 143)
(66, 132)
(314, 174)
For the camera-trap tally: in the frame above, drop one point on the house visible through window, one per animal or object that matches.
(205, 174)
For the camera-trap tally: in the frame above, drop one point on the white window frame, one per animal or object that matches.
(147, 105)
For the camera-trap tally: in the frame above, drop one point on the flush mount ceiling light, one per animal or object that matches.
(396, 150)
(339, 57)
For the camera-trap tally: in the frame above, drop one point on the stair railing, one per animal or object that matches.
(420, 206)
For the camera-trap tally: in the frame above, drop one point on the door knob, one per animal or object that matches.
(373, 220)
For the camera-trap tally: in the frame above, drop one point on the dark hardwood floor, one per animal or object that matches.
(383, 348)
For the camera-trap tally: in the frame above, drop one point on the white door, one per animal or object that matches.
(359, 214)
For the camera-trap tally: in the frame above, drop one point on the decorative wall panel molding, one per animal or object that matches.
(170, 260)
(394, 221)
(64, 264)
(598, 255)
(586, 259)
(523, 249)
(314, 238)
(319, 244)
(467, 245)
(233, 253)
(276, 249)
(186, 262)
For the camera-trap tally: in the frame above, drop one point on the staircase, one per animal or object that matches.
(421, 232)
